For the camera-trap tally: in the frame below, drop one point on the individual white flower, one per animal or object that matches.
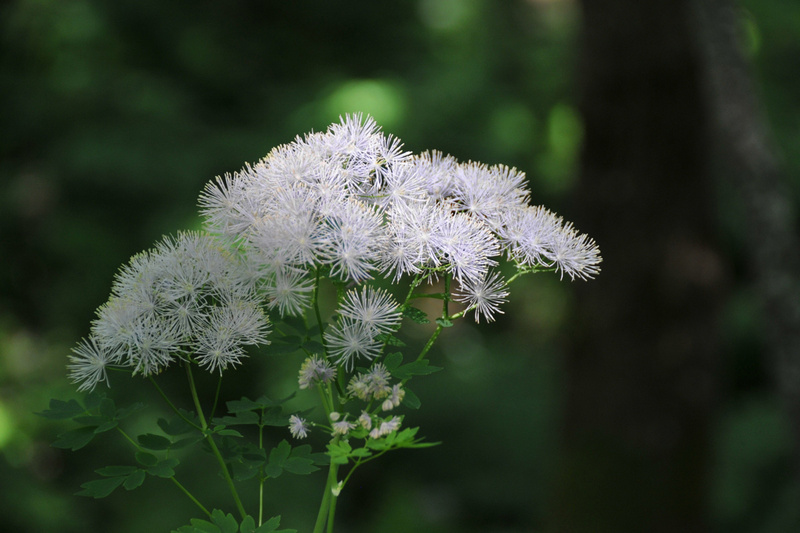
(486, 192)
(574, 254)
(342, 427)
(372, 385)
(365, 420)
(404, 185)
(348, 340)
(227, 206)
(188, 315)
(353, 136)
(439, 170)
(315, 370)
(228, 328)
(386, 427)
(88, 363)
(484, 296)
(402, 254)
(155, 346)
(467, 246)
(352, 240)
(288, 234)
(375, 308)
(419, 228)
(395, 397)
(529, 234)
(292, 164)
(298, 427)
(217, 350)
(289, 290)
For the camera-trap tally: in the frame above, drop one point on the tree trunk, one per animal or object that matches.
(643, 366)
(749, 163)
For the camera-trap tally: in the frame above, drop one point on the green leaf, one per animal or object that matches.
(107, 408)
(444, 322)
(199, 526)
(313, 347)
(410, 400)
(154, 442)
(248, 525)
(176, 426)
(91, 420)
(243, 471)
(60, 410)
(414, 368)
(164, 468)
(339, 452)
(240, 419)
(245, 404)
(100, 488)
(265, 402)
(270, 525)
(146, 458)
(75, 439)
(392, 361)
(299, 465)
(127, 411)
(287, 344)
(315, 330)
(134, 480)
(389, 340)
(182, 443)
(295, 323)
(377, 444)
(226, 522)
(274, 417)
(102, 428)
(229, 433)
(277, 458)
(114, 471)
(93, 400)
(415, 315)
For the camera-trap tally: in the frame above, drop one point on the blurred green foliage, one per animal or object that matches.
(115, 114)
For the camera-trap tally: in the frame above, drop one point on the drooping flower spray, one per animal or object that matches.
(349, 209)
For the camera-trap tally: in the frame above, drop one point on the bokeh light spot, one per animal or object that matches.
(382, 99)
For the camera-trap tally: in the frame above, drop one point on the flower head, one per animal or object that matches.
(374, 308)
(298, 427)
(88, 362)
(484, 296)
(189, 294)
(315, 370)
(351, 339)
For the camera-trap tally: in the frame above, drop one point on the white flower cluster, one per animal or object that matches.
(189, 297)
(374, 385)
(351, 200)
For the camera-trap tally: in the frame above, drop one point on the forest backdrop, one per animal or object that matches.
(660, 397)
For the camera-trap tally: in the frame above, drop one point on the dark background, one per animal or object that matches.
(662, 396)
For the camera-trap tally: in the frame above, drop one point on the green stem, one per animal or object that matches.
(261, 478)
(430, 342)
(327, 508)
(323, 510)
(332, 508)
(210, 439)
(446, 299)
(315, 302)
(216, 396)
(191, 497)
(172, 405)
(172, 478)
